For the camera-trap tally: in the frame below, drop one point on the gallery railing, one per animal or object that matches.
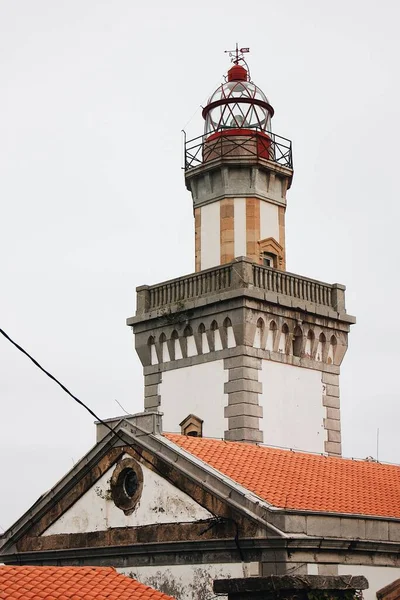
(231, 144)
(239, 274)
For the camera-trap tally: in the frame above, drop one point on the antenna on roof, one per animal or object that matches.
(377, 444)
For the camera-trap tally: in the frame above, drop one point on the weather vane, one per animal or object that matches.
(237, 54)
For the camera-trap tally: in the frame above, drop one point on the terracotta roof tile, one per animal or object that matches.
(72, 583)
(297, 480)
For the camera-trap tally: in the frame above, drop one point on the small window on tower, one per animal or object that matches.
(269, 260)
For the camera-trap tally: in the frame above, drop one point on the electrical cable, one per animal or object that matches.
(116, 433)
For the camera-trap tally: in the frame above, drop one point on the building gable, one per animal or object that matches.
(159, 502)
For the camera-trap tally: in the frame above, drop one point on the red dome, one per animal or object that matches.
(237, 73)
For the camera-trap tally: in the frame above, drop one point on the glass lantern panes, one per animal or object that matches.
(241, 104)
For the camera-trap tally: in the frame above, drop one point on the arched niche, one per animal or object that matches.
(165, 357)
(176, 345)
(271, 336)
(297, 341)
(308, 349)
(216, 336)
(283, 339)
(320, 353)
(191, 349)
(332, 350)
(230, 336)
(259, 335)
(205, 348)
(153, 352)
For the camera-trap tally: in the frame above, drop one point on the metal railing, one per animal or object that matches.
(224, 143)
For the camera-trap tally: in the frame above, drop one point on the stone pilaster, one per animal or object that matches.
(243, 388)
(331, 402)
(152, 398)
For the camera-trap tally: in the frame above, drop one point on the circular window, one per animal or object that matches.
(126, 484)
(130, 482)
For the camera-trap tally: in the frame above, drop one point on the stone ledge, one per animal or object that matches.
(248, 291)
(240, 356)
(274, 583)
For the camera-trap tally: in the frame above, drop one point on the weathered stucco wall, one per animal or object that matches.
(293, 413)
(377, 577)
(160, 502)
(187, 582)
(198, 390)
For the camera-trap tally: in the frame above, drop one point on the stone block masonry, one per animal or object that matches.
(219, 329)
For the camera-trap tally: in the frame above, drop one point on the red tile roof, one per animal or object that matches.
(72, 583)
(297, 480)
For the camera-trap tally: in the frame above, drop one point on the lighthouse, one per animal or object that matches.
(238, 173)
(241, 349)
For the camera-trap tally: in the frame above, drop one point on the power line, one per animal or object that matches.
(62, 386)
(116, 433)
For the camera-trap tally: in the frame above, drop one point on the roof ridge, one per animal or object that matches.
(367, 459)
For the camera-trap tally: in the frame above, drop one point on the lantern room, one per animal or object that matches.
(237, 104)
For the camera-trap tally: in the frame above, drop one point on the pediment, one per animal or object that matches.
(172, 497)
(158, 502)
(271, 245)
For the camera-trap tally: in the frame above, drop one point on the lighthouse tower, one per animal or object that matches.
(238, 174)
(241, 349)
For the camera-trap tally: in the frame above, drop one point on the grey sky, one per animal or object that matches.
(93, 97)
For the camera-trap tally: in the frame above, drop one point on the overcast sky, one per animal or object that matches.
(93, 97)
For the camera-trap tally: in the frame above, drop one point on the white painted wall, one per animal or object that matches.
(153, 354)
(191, 346)
(230, 337)
(198, 389)
(187, 582)
(239, 226)
(178, 349)
(269, 221)
(165, 352)
(257, 337)
(160, 502)
(378, 577)
(204, 343)
(210, 235)
(217, 340)
(292, 406)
